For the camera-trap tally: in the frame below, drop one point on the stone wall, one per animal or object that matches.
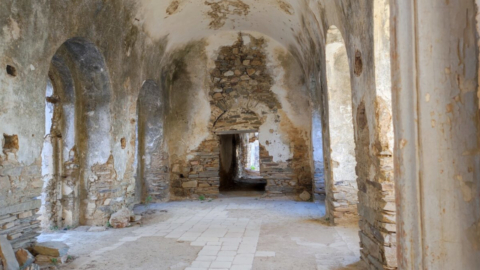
(373, 169)
(292, 54)
(152, 159)
(200, 176)
(242, 100)
(19, 207)
(437, 134)
(342, 189)
(89, 154)
(20, 227)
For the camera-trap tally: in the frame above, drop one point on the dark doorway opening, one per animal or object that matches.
(240, 165)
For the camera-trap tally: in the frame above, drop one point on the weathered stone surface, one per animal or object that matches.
(24, 258)
(6, 254)
(121, 218)
(136, 218)
(53, 248)
(190, 184)
(305, 196)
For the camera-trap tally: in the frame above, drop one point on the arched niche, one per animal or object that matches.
(151, 179)
(77, 128)
(340, 175)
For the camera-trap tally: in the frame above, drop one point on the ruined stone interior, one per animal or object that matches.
(240, 134)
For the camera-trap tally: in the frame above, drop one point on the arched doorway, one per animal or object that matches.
(77, 136)
(340, 175)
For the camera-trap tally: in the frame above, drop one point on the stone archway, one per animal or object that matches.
(340, 175)
(77, 124)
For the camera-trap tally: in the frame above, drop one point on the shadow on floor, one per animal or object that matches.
(244, 189)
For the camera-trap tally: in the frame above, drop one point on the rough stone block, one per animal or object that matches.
(25, 214)
(24, 258)
(190, 184)
(54, 249)
(8, 225)
(121, 219)
(6, 254)
(14, 236)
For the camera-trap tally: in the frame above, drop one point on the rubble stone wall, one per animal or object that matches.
(242, 99)
(342, 189)
(90, 168)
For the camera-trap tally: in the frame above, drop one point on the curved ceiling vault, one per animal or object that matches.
(186, 20)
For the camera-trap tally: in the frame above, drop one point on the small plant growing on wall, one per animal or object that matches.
(201, 197)
(253, 168)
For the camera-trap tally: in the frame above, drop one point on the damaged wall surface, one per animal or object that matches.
(89, 171)
(140, 91)
(248, 89)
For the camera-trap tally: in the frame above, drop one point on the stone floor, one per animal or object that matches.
(227, 233)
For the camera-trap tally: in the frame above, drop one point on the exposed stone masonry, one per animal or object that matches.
(157, 177)
(102, 193)
(377, 196)
(20, 184)
(201, 174)
(21, 228)
(241, 71)
(280, 176)
(241, 99)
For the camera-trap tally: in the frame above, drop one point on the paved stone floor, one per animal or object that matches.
(227, 233)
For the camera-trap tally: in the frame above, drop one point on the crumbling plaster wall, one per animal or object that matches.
(341, 179)
(214, 108)
(152, 175)
(31, 34)
(301, 27)
(437, 163)
(372, 118)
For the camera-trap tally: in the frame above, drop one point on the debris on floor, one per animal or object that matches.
(121, 219)
(231, 232)
(9, 260)
(136, 219)
(24, 258)
(49, 253)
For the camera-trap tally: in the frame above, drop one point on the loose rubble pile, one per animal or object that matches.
(47, 254)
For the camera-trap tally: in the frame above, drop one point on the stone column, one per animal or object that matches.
(436, 122)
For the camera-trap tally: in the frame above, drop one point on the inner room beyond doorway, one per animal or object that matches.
(240, 165)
